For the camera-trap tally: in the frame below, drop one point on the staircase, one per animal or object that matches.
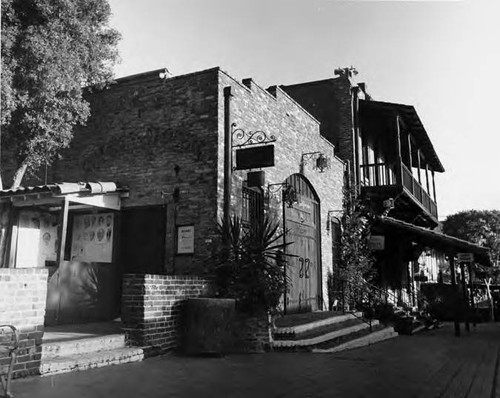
(80, 347)
(334, 332)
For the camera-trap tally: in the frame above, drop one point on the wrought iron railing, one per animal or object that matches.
(360, 295)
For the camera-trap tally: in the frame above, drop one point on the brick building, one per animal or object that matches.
(161, 143)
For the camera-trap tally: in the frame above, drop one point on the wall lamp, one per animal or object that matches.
(322, 162)
(331, 216)
(288, 192)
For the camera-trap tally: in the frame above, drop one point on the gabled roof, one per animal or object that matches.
(411, 119)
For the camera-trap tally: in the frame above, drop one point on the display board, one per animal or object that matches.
(92, 238)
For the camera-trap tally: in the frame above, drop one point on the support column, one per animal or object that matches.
(465, 297)
(411, 163)
(433, 186)
(455, 294)
(471, 287)
(419, 167)
(427, 178)
(228, 151)
(399, 165)
(63, 228)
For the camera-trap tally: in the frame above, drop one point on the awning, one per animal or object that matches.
(436, 240)
(96, 194)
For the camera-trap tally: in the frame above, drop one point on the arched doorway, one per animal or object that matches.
(304, 266)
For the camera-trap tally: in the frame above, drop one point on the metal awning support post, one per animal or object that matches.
(471, 287)
(63, 229)
(466, 298)
(455, 294)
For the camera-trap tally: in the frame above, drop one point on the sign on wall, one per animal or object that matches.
(254, 158)
(92, 238)
(376, 242)
(185, 239)
(36, 239)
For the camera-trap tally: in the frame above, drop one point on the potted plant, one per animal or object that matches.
(248, 267)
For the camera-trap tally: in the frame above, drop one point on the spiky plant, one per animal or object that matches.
(250, 265)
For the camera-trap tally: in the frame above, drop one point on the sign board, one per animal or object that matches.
(376, 242)
(185, 239)
(465, 257)
(255, 158)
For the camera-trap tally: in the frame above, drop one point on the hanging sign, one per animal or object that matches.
(465, 257)
(376, 242)
(255, 158)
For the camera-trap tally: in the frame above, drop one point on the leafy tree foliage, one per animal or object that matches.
(478, 226)
(51, 50)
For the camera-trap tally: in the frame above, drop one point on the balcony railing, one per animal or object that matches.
(382, 174)
(418, 191)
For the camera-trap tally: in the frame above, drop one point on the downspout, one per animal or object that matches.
(227, 156)
(355, 132)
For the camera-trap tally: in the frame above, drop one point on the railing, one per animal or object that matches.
(418, 191)
(363, 296)
(383, 174)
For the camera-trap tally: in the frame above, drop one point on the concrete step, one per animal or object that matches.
(339, 334)
(305, 327)
(84, 361)
(371, 338)
(82, 345)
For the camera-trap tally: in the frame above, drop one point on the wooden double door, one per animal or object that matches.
(304, 264)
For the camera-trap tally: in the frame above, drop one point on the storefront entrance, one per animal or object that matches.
(304, 266)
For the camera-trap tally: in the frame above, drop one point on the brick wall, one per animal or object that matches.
(297, 132)
(252, 333)
(330, 102)
(151, 308)
(159, 138)
(23, 294)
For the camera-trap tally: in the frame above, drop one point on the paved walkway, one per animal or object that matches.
(431, 364)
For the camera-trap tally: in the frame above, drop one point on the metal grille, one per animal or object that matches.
(252, 209)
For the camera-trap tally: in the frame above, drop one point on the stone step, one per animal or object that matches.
(371, 338)
(84, 361)
(82, 345)
(318, 331)
(302, 328)
(339, 334)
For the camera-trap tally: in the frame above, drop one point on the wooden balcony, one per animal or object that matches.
(382, 181)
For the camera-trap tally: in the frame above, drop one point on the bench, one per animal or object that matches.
(9, 342)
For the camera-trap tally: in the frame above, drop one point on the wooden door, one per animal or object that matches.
(304, 266)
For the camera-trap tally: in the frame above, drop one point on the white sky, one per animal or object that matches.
(441, 57)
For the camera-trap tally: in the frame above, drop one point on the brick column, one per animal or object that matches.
(23, 295)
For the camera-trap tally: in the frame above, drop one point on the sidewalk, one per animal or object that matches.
(431, 364)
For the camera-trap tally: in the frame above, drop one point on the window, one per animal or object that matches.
(252, 209)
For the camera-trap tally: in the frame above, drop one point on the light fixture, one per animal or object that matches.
(322, 162)
(288, 192)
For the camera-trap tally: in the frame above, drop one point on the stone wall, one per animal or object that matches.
(23, 294)
(152, 305)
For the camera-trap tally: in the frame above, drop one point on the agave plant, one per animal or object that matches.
(250, 265)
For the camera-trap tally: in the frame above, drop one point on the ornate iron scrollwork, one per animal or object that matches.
(248, 138)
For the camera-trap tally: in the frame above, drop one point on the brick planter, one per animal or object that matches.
(151, 308)
(23, 294)
(252, 333)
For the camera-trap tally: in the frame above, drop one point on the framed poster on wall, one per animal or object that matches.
(93, 238)
(185, 239)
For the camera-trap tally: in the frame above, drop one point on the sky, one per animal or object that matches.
(442, 57)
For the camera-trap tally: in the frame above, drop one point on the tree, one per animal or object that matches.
(51, 50)
(481, 227)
